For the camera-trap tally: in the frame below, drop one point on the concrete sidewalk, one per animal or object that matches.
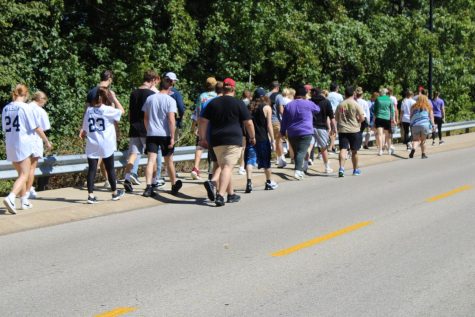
(69, 204)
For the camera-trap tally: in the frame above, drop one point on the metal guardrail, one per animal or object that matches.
(64, 164)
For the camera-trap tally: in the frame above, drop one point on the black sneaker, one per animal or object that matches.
(128, 186)
(148, 192)
(219, 201)
(176, 187)
(248, 187)
(411, 155)
(91, 200)
(233, 198)
(424, 156)
(210, 189)
(119, 195)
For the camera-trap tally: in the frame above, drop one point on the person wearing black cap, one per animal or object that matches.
(297, 123)
(260, 153)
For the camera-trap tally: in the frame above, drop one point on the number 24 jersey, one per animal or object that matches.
(98, 124)
(18, 124)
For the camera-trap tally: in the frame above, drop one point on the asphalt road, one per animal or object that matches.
(376, 246)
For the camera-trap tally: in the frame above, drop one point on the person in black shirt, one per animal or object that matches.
(137, 132)
(324, 125)
(227, 116)
(260, 153)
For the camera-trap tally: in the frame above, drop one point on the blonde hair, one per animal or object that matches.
(325, 93)
(37, 96)
(19, 91)
(422, 103)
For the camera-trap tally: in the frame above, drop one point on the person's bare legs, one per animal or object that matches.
(225, 179)
(380, 138)
(354, 159)
(31, 175)
(170, 168)
(332, 141)
(23, 170)
(342, 157)
(149, 169)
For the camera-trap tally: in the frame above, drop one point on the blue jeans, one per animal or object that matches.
(135, 169)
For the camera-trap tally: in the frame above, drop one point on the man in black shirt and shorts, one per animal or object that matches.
(227, 116)
(137, 131)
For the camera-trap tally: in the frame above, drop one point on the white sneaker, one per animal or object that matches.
(281, 163)
(242, 170)
(106, 185)
(310, 162)
(391, 150)
(32, 194)
(298, 175)
(319, 156)
(285, 148)
(26, 205)
(10, 205)
(270, 186)
(380, 152)
(134, 178)
(328, 170)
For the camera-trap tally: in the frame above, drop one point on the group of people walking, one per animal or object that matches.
(250, 129)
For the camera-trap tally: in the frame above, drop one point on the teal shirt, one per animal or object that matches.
(383, 108)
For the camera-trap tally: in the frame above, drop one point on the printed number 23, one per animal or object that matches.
(100, 124)
(15, 124)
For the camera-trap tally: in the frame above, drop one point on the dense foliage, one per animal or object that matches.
(61, 47)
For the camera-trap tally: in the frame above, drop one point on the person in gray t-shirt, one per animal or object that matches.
(159, 119)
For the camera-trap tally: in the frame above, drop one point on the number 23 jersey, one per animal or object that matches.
(18, 124)
(98, 124)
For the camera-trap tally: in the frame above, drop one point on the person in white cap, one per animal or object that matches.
(175, 94)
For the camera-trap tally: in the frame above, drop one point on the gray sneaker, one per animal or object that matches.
(119, 195)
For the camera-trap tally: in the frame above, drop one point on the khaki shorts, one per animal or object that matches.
(227, 154)
(276, 128)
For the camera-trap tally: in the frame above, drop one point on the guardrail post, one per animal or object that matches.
(42, 183)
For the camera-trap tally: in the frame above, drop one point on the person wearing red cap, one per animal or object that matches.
(227, 117)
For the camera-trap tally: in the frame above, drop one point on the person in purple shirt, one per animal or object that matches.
(297, 124)
(438, 107)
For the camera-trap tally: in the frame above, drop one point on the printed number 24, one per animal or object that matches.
(15, 124)
(100, 124)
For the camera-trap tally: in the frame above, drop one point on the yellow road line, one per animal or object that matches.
(322, 239)
(117, 312)
(450, 193)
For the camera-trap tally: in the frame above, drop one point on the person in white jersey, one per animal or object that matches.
(42, 120)
(99, 129)
(19, 127)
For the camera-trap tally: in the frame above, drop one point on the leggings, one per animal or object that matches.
(91, 172)
(300, 145)
(406, 126)
(438, 121)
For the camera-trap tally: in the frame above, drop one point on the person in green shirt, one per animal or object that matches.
(384, 117)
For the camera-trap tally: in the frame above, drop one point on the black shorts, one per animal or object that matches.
(350, 140)
(382, 123)
(153, 143)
